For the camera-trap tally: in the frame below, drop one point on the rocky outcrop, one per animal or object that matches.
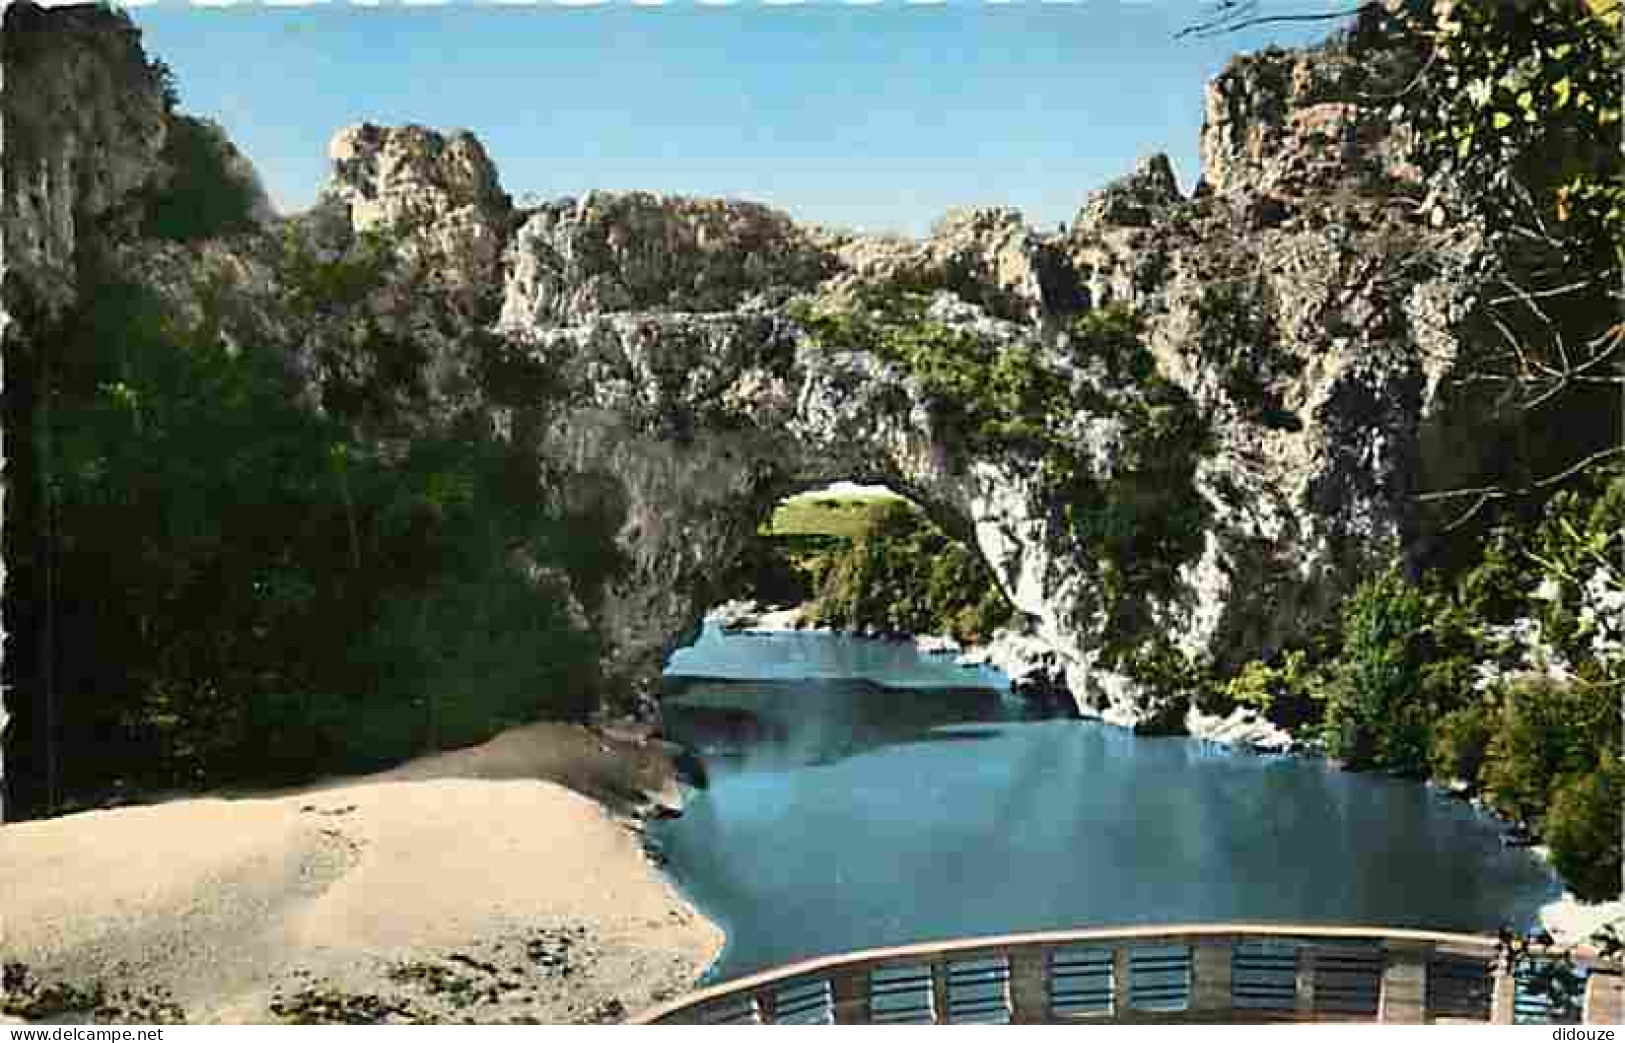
(1136, 201)
(653, 353)
(986, 256)
(435, 195)
(1035, 671)
(1243, 727)
(1282, 122)
(635, 251)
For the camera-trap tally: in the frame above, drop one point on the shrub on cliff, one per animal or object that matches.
(1283, 693)
(1239, 341)
(1145, 519)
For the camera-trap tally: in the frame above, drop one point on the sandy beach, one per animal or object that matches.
(502, 883)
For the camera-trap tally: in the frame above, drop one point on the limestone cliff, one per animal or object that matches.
(83, 119)
(655, 354)
(1303, 301)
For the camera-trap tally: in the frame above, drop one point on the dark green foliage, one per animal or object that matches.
(1398, 686)
(779, 570)
(203, 198)
(1405, 660)
(1582, 826)
(903, 574)
(1546, 730)
(509, 377)
(1282, 693)
(1460, 742)
(245, 590)
(318, 285)
(1112, 338)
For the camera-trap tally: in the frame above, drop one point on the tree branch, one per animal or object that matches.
(1235, 21)
(1486, 493)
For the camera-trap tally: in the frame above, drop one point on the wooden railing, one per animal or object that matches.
(1206, 973)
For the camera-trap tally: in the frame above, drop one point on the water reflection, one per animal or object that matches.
(780, 725)
(801, 656)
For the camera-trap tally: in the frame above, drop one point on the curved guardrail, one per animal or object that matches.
(1213, 973)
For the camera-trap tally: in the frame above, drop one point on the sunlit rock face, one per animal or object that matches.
(636, 251)
(645, 348)
(437, 195)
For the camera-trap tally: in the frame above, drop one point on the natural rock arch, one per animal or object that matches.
(701, 462)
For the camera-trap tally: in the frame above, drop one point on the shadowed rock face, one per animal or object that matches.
(650, 354)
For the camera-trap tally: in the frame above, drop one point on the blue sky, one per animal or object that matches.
(875, 116)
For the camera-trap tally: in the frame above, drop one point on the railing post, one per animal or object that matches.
(939, 992)
(1210, 975)
(1120, 984)
(849, 994)
(1503, 992)
(1404, 996)
(1029, 985)
(1304, 991)
(1605, 998)
(766, 1006)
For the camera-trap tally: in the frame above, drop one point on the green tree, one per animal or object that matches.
(904, 574)
(1582, 827)
(1547, 729)
(1373, 715)
(1460, 743)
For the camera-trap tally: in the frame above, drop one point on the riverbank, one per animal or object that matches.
(503, 883)
(1033, 670)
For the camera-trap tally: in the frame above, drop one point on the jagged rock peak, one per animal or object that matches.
(372, 162)
(439, 192)
(1156, 173)
(1134, 200)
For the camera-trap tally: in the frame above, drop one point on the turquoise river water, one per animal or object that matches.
(860, 794)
